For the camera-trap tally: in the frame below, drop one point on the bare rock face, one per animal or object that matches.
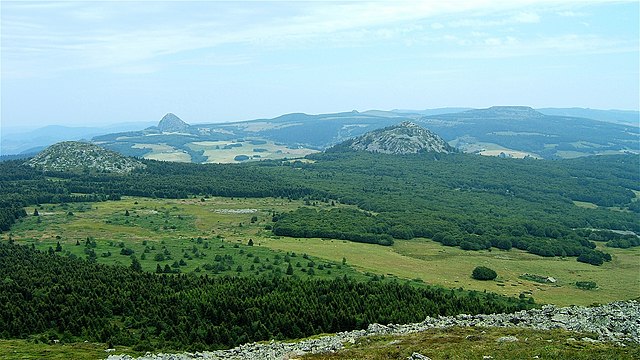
(404, 138)
(81, 157)
(172, 123)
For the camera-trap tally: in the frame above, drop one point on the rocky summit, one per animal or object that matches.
(404, 138)
(172, 123)
(81, 157)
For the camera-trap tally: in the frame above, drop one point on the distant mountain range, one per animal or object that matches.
(507, 130)
(33, 141)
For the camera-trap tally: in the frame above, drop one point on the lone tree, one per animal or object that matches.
(483, 273)
(250, 242)
(135, 264)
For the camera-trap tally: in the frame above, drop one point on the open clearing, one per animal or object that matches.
(451, 267)
(163, 152)
(198, 231)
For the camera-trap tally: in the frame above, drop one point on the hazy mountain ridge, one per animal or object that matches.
(514, 130)
(81, 157)
(32, 141)
(404, 138)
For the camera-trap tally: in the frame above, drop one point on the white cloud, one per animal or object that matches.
(568, 13)
(71, 43)
(567, 44)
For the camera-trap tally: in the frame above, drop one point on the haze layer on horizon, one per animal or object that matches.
(94, 63)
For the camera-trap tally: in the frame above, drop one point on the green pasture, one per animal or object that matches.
(211, 236)
(451, 267)
(189, 235)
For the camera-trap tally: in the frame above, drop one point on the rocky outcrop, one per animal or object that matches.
(81, 157)
(617, 322)
(404, 138)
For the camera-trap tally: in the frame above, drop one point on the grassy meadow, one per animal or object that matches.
(189, 235)
(212, 235)
(27, 350)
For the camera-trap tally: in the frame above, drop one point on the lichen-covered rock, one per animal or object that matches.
(82, 157)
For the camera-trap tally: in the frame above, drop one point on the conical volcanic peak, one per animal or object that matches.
(172, 123)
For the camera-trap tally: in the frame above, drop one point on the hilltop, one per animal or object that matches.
(404, 138)
(172, 123)
(81, 157)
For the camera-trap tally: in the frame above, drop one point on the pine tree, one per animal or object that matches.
(58, 247)
(135, 264)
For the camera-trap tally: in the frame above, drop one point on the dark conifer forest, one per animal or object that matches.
(62, 297)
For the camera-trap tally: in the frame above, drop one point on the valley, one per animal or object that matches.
(211, 237)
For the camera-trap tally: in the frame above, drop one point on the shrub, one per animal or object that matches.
(586, 285)
(483, 273)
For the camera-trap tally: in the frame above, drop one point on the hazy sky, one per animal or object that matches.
(84, 63)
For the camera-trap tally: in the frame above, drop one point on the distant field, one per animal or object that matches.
(491, 149)
(513, 153)
(164, 152)
(226, 151)
(586, 205)
(211, 236)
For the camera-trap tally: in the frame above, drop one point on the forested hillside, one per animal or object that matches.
(61, 297)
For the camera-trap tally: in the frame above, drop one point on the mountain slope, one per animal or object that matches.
(529, 131)
(80, 157)
(404, 138)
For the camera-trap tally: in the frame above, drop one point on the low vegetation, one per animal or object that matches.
(483, 273)
(484, 343)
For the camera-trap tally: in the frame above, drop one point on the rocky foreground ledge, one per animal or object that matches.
(618, 322)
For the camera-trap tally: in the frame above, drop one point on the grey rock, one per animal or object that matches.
(418, 356)
(507, 339)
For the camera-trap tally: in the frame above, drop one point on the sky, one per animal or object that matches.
(82, 63)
